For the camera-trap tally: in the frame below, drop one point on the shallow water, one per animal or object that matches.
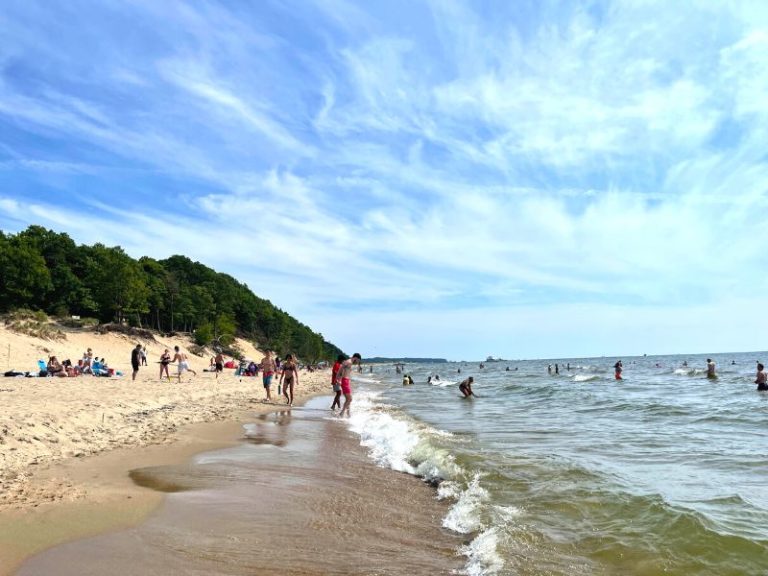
(297, 497)
(576, 473)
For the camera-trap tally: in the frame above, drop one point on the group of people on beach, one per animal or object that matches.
(87, 365)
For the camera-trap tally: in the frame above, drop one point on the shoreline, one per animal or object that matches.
(102, 497)
(295, 494)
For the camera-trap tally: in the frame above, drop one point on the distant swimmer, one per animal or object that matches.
(567, 367)
(466, 387)
(617, 368)
(507, 368)
(437, 377)
(685, 363)
(760, 380)
(711, 369)
(549, 369)
(557, 369)
(429, 379)
(733, 362)
(410, 380)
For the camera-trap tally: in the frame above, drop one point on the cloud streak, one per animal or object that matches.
(474, 175)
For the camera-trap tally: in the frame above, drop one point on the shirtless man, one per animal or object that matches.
(466, 387)
(182, 365)
(760, 379)
(342, 377)
(711, 369)
(219, 363)
(268, 369)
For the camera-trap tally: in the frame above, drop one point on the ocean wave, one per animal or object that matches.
(586, 377)
(482, 554)
(394, 441)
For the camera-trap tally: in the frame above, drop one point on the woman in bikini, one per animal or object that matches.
(165, 359)
(288, 377)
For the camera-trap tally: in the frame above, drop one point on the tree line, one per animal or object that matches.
(44, 270)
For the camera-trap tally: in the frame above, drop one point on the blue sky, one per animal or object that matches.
(453, 179)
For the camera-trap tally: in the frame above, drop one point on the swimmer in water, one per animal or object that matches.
(711, 369)
(617, 370)
(760, 380)
(466, 387)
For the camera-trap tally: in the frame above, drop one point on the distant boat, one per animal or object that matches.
(492, 359)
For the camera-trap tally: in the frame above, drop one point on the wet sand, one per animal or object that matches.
(297, 495)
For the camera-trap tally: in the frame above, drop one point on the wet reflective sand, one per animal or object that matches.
(298, 496)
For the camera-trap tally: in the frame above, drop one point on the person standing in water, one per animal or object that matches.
(466, 387)
(760, 379)
(336, 386)
(617, 368)
(343, 378)
(711, 369)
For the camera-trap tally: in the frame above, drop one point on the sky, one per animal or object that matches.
(413, 178)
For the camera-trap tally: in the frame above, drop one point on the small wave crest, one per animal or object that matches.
(397, 442)
(585, 377)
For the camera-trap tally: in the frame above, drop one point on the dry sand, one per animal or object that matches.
(51, 430)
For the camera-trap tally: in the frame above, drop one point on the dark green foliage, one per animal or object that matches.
(43, 270)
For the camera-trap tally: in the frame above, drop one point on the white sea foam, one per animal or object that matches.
(393, 441)
(482, 554)
(464, 515)
(585, 377)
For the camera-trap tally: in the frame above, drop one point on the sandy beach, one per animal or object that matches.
(67, 444)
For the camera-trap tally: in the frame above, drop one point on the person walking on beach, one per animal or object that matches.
(143, 355)
(135, 361)
(183, 364)
(288, 377)
(218, 362)
(268, 369)
(466, 387)
(343, 378)
(617, 368)
(165, 359)
(711, 369)
(336, 386)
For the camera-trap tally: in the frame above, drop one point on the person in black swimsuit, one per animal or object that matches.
(135, 360)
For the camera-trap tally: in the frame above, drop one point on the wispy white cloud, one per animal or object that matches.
(562, 165)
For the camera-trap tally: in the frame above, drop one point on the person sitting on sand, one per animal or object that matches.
(760, 380)
(55, 368)
(466, 387)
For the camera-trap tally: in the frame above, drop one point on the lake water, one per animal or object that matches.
(663, 472)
